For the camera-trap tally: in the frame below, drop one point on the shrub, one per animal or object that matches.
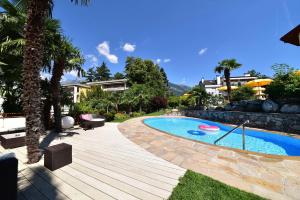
(173, 101)
(121, 116)
(242, 93)
(109, 116)
(138, 114)
(80, 108)
(285, 86)
(158, 102)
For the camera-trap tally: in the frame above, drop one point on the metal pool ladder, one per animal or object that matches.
(242, 124)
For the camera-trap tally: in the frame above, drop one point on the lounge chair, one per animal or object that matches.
(9, 176)
(90, 121)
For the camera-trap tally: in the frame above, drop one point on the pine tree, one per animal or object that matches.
(102, 73)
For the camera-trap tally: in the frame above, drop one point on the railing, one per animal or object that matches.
(243, 133)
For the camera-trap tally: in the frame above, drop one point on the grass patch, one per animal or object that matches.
(158, 113)
(194, 186)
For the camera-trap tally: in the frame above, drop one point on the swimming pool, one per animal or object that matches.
(256, 141)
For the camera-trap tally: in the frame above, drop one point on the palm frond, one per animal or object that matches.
(8, 7)
(2, 63)
(82, 2)
(219, 69)
(12, 44)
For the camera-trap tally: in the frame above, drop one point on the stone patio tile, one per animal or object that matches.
(270, 177)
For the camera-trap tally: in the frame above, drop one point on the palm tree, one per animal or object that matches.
(227, 66)
(199, 94)
(66, 58)
(37, 11)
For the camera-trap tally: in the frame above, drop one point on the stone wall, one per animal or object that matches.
(289, 123)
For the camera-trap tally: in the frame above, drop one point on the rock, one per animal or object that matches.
(270, 106)
(290, 108)
(253, 106)
(228, 107)
(67, 122)
(219, 108)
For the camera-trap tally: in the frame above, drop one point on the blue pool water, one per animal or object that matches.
(256, 141)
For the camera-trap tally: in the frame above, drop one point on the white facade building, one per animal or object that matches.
(211, 86)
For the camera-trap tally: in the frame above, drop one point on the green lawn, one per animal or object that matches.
(194, 186)
(161, 112)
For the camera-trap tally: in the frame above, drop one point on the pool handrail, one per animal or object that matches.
(243, 133)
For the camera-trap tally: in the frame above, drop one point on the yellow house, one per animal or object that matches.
(109, 86)
(76, 90)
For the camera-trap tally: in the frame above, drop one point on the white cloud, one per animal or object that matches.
(73, 73)
(103, 49)
(202, 51)
(129, 47)
(158, 60)
(92, 59)
(166, 60)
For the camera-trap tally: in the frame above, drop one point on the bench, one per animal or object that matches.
(57, 156)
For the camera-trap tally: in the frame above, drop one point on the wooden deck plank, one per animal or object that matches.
(137, 151)
(106, 165)
(137, 169)
(132, 158)
(46, 174)
(141, 194)
(102, 186)
(151, 189)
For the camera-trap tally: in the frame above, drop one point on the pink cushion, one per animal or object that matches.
(86, 117)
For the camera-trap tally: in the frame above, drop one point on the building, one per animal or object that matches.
(239, 80)
(110, 86)
(211, 86)
(76, 89)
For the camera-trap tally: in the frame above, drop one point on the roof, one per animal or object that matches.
(107, 82)
(210, 82)
(242, 77)
(292, 37)
(75, 84)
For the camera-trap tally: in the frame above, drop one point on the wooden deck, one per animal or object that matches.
(106, 165)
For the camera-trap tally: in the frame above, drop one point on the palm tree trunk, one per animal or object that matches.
(32, 63)
(227, 77)
(57, 73)
(46, 113)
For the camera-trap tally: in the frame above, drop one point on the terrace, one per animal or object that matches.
(105, 165)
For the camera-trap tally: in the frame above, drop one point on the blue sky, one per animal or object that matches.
(188, 37)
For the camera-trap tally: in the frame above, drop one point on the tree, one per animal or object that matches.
(102, 73)
(11, 55)
(285, 85)
(243, 93)
(136, 70)
(227, 66)
(91, 74)
(66, 58)
(199, 96)
(118, 76)
(139, 71)
(164, 75)
(37, 11)
(252, 72)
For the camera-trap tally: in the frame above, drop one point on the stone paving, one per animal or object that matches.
(272, 177)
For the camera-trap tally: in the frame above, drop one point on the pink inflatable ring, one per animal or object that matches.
(209, 128)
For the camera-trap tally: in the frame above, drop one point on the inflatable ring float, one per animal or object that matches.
(209, 128)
